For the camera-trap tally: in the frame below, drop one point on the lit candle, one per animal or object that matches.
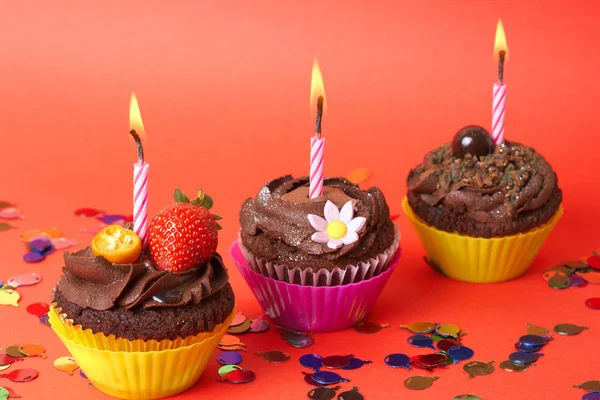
(140, 174)
(499, 103)
(317, 143)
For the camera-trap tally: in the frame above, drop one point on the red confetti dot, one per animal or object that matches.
(594, 262)
(38, 309)
(593, 303)
(87, 212)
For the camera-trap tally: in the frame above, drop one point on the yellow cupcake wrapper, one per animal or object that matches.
(149, 374)
(102, 342)
(481, 260)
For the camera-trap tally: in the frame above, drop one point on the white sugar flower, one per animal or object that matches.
(338, 228)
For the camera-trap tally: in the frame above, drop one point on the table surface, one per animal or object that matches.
(223, 89)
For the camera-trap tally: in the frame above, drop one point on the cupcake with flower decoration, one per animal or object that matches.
(316, 252)
(316, 264)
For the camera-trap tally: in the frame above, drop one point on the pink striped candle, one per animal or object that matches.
(498, 113)
(317, 158)
(140, 200)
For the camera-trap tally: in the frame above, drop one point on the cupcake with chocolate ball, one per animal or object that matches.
(317, 264)
(482, 211)
(124, 311)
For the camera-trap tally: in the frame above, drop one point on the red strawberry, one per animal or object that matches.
(184, 234)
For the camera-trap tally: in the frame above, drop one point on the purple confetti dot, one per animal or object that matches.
(33, 256)
(40, 244)
(111, 218)
(82, 374)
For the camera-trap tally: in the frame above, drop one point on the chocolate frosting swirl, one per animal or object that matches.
(279, 214)
(490, 189)
(92, 282)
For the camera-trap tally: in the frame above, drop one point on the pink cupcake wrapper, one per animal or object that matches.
(312, 308)
(338, 276)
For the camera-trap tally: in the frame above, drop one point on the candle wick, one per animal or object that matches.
(138, 143)
(319, 116)
(502, 55)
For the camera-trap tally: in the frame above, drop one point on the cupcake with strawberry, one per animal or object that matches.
(126, 313)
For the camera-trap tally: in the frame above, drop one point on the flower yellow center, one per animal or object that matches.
(336, 229)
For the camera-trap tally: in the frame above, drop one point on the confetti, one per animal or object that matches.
(512, 367)
(478, 368)
(229, 340)
(352, 394)
(312, 361)
(420, 341)
(368, 327)
(524, 358)
(225, 369)
(446, 330)
(5, 225)
(33, 350)
(229, 357)
(355, 363)
(87, 212)
(11, 393)
(335, 362)
(9, 297)
(13, 351)
(24, 280)
(274, 356)
(5, 366)
(111, 219)
(527, 349)
(534, 340)
(44, 319)
(323, 393)
(569, 329)
(559, 281)
(328, 378)
(420, 382)
(594, 262)
(420, 327)
(4, 204)
(308, 379)
(238, 319)
(467, 397)
(259, 325)
(38, 309)
(238, 376)
(11, 213)
(447, 344)
(590, 276)
(460, 353)
(359, 175)
(590, 386)
(62, 243)
(398, 360)
(429, 361)
(593, 303)
(6, 359)
(538, 330)
(66, 364)
(591, 396)
(33, 257)
(241, 328)
(296, 339)
(21, 375)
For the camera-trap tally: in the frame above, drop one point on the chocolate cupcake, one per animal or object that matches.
(122, 311)
(473, 189)
(337, 248)
(139, 301)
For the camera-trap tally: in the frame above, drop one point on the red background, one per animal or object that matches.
(224, 90)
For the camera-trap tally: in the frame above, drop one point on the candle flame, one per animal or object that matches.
(317, 88)
(135, 117)
(500, 43)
